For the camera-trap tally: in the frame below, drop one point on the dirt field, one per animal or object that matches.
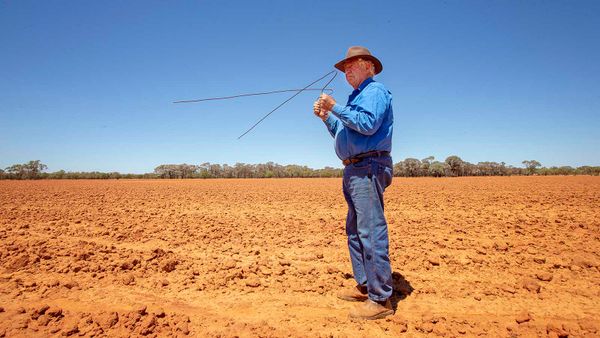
(517, 256)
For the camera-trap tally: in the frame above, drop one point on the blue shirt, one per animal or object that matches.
(365, 123)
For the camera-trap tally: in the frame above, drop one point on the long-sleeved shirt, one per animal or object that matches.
(365, 123)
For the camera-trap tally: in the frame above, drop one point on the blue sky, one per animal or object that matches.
(89, 85)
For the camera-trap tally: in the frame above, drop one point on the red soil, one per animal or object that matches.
(471, 256)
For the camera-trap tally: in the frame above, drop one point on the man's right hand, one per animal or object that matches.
(320, 113)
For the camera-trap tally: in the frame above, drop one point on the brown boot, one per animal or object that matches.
(356, 294)
(370, 310)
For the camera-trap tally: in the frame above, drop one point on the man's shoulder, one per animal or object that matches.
(377, 87)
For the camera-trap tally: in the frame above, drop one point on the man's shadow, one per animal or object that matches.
(402, 289)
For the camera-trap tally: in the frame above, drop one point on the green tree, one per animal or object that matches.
(29, 170)
(187, 170)
(166, 171)
(425, 164)
(455, 165)
(15, 171)
(588, 170)
(58, 174)
(437, 169)
(412, 167)
(35, 168)
(399, 169)
(531, 166)
(204, 170)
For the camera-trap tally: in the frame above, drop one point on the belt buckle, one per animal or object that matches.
(351, 160)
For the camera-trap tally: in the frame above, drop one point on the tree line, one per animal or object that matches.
(242, 170)
(452, 166)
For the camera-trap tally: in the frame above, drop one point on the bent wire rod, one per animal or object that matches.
(286, 101)
(253, 94)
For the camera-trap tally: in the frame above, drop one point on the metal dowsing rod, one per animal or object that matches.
(298, 91)
(251, 94)
(286, 101)
(323, 89)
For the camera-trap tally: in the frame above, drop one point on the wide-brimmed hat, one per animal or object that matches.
(360, 52)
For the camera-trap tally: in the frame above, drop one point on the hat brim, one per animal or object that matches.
(378, 66)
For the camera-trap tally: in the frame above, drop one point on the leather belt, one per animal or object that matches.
(360, 157)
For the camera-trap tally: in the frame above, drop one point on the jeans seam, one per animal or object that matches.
(371, 226)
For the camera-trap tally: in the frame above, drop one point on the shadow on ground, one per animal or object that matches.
(402, 289)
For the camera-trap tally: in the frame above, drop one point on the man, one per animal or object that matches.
(362, 130)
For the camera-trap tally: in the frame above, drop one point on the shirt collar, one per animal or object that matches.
(362, 86)
(365, 83)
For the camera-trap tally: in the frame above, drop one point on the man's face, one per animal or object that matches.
(356, 70)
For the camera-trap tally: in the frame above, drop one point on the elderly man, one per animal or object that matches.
(362, 130)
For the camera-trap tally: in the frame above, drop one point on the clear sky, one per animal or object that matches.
(89, 85)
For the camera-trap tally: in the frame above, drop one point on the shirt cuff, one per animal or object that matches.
(329, 119)
(337, 109)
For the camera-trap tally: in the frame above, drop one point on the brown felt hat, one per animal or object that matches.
(360, 52)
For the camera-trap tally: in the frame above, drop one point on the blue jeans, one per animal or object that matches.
(364, 183)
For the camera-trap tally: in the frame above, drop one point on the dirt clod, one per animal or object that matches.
(54, 312)
(522, 317)
(169, 265)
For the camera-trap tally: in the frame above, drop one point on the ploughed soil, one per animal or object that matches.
(501, 256)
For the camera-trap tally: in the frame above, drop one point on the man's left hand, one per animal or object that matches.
(326, 101)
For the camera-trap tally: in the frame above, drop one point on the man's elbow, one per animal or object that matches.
(367, 126)
(367, 130)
